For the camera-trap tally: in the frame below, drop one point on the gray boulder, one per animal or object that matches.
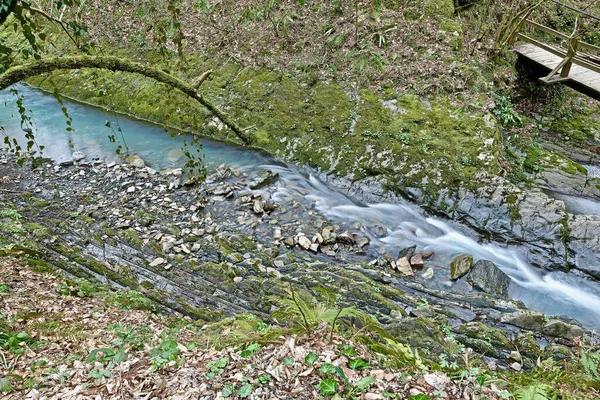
(532, 320)
(486, 276)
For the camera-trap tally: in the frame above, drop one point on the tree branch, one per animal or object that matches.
(54, 20)
(21, 72)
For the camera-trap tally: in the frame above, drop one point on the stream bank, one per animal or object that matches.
(208, 253)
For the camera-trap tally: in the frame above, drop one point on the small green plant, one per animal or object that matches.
(264, 379)
(328, 387)
(288, 361)
(130, 300)
(216, 367)
(245, 390)
(250, 350)
(227, 390)
(505, 112)
(14, 343)
(327, 368)
(311, 358)
(358, 364)
(301, 308)
(106, 355)
(166, 353)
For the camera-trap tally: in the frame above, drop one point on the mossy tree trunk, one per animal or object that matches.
(21, 72)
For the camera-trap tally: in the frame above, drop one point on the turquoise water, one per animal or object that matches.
(91, 135)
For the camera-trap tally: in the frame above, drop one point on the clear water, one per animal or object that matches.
(576, 204)
(405, 224)
(90, 136)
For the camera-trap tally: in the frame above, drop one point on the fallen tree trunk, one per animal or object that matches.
(21, 72)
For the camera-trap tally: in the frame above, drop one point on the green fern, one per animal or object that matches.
(533, 392)
(303, 310)
(591, 366)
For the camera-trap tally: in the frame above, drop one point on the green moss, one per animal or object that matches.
(131, 237)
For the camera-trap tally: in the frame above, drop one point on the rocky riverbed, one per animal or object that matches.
(223, 248)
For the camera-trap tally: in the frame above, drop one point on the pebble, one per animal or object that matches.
(158, 261)
(237, 279)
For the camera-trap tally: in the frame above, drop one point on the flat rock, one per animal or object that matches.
(304, 242)
(558, 328)
(263, 178)
(526, 319)
(157, 261)
(416, 261)
(486, 276)
(135, 161)
(404, 267)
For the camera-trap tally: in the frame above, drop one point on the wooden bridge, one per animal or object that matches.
(567, 60)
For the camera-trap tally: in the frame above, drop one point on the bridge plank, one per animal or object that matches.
(587, 78)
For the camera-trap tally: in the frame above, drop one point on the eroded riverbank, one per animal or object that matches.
(209, 252)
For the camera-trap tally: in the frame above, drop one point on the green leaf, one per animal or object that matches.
(419, 396)
(327, 387)
(245, 390)
(21, 336)
(327, 368)
(221, 363)
(250, 350)
(288, 361)
(119, 357)
(227, 390)
(363, 383)
(5, 385)
(311, 358)
(342, 375)
(359, 364)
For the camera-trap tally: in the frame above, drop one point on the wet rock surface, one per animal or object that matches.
(206, 252)
(487, 277)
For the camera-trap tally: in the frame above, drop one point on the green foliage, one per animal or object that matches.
(328, 387)
(245, 390)
(250, 350)
(130, 300)
(301, 309)
(327, 368)
(165, 354)
(591, 366)
(5, 385)
(107, 357)
(288, 361)
(227, 390)
(533, 392)
(14, 342)
(505, 113)
(358, 364)
(311, 358)
(362, 384)
(216, 367)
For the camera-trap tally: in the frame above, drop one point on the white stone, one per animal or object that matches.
(437, 380)
(158, 261)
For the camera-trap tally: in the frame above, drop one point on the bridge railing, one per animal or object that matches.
(572, 50)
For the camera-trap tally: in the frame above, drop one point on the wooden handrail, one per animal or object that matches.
(560, 53)
(546, 29)
(581, 45)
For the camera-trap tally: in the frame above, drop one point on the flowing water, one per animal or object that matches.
(389, 226)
